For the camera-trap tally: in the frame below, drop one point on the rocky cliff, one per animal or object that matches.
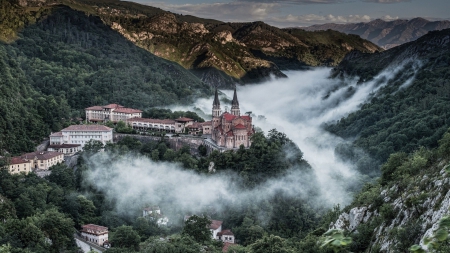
(405, 205)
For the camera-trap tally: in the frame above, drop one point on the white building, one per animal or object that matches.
(153, 213)
(80, 135)
(215, 227)
(95, 234)
(226, 236)
(111, 112)
(160, 125)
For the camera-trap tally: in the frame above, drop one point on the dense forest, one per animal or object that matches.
(400, 118)
(67, 61)
(70, 200)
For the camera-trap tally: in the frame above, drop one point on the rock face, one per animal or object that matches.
(387, 34)
(410, 206)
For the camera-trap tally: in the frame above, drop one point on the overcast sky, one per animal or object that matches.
(284, 13)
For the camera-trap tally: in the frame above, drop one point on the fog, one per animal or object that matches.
(298, 106)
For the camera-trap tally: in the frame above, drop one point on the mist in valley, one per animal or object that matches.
(297, 106)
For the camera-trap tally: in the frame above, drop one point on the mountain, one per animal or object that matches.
(387, 34)
(412, 110)
(219, 53)
(63, 61)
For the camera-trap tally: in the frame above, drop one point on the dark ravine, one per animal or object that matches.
(387, 34)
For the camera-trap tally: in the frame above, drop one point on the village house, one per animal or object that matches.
(153, 213)
(111, 112)
(215, 227)
(226, 236)
(230, 130)
(20, 165)
(79, 135)
(41, 160)
(95, 234)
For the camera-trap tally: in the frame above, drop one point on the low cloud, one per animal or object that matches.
(231, 12)
(386, 1)
(310, 19)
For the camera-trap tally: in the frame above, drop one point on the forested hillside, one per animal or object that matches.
(66, 61)
(401, 117)
(219, 53)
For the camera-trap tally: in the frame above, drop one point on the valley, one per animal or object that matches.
(347, 143)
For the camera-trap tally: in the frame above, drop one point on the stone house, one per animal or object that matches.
(95, 234)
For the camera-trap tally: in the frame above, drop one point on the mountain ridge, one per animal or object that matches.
(387, 34)
(222, 53)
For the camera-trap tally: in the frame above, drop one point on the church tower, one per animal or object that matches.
(216, 111)
(235, 105)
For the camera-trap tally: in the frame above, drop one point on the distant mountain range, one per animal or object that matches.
(219, 53)
(387, 34)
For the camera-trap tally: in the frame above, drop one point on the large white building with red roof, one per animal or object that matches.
(111, 112)
(75, 137)
(230, 129)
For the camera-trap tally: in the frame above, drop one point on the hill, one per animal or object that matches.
(219, 53)
(412, 110)
(62, 56)
(387, 34)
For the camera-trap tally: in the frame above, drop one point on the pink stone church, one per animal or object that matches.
(230, 130)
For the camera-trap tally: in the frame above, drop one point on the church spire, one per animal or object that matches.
(235, 100)
(235, 105)
(216, 99)
(216, 111)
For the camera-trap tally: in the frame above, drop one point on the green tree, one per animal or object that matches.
(125, 237)
(198, 228)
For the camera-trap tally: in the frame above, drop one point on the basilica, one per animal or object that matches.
(230, 130)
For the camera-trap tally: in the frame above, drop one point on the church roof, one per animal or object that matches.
(216, 99)
(239, 126)
(228, 116)
(246, 117)
(235, 101)
(230, 133)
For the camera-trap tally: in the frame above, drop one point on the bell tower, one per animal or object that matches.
(216, 111)
(235, 105)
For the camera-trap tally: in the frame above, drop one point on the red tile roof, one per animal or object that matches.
(87, 128)
(246, 117)
(228, 117)
(239, 126)
(225, 232)
(95, 229)
(57, 134)
(230, 133)
(215, 224)
(183, 119)
(95, 108)
(207, 123)
(112, 106)
(18, 160)
(127, 110)
(153, 121)
(64, 145)
(41, 155)
(226, 246)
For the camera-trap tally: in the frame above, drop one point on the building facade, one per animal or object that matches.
(80, 135)
(111, 112)
(94, 234)
(230, 130)
(41, 160)
(160, 125)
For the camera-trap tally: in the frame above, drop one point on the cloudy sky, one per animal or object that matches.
(284, 13)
